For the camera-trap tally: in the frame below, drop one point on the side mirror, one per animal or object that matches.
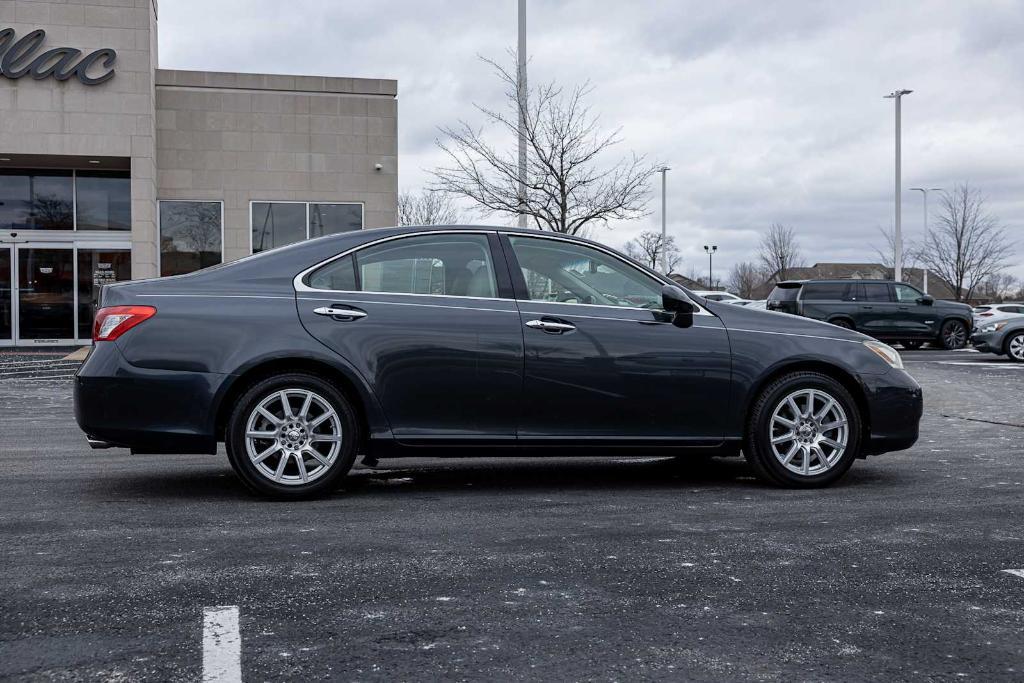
(675, 302)
(926, 300)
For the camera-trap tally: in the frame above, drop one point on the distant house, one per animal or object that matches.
(686, 282)
(856, 271)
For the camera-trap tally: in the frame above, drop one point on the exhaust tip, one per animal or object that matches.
(99, 443)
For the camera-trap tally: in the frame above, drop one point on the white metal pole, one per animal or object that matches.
(522, 94)
(664, 228)
(899, 200)
(924, 275)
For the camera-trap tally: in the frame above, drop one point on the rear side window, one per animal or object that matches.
(339, 276)
(784, 293)
(876, 291)
(829, 291)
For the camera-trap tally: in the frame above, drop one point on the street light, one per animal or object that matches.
(521, 95)
(664, 234)
(924, 193)
(897, 96)
(711, 252)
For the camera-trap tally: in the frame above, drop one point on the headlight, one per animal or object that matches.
(994, 327)
(886, 353)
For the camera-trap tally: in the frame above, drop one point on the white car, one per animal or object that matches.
(991, 313)
(727, 297)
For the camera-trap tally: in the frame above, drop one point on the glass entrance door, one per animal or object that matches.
(46, 295)
(6, 297)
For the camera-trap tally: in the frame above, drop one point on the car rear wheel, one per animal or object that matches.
(912, 344)
(953, 335)
(292, 436)
(843, 323)
(1015, 347)
(804, 431)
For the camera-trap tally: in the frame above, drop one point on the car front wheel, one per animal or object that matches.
(953, 335)
(292, 436)
(804, 431)
(1015, 347)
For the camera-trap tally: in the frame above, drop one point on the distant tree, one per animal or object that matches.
(966, 244)
(745, 278)
(886, 251)
(570, 186)
(779, 251)
(998, 287)
(427, 208)
(648, 247)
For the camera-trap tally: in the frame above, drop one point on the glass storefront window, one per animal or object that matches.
(46, 293)
(328, 219)
(275, 224)
(98, 267)
(190, 236)
(103, 200)
(6, 290)
(36, 200)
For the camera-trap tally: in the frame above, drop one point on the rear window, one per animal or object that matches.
(876, 291)
(829, 291)
(784, 293)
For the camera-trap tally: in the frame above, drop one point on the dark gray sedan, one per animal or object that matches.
(1004, 337)
(470, 341)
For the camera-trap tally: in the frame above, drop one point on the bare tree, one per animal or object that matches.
(966, 244)
(745, 278)
(998, 287)
(887, 250)
(780, 251)
(570, 185)
(648, 247)
(427, 208)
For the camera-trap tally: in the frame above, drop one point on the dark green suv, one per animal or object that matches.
(891, 311)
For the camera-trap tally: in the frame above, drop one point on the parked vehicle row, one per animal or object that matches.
(459, 341)
(890, 311)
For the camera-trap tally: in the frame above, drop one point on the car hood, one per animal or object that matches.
(741, 317)
(953, 306)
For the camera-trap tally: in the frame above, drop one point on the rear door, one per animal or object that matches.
(876, 310)
(430, 322)
(603, 362)
(829, 301)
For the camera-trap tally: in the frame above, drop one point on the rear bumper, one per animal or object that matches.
(146, 410)
(895, 406)
(986, 343)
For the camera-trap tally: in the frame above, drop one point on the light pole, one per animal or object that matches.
(664, 231)
(521, 98)
(897, 95)
(711, 252)
(924, 194)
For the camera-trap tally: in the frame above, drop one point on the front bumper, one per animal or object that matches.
(895, 407)
(146, 410)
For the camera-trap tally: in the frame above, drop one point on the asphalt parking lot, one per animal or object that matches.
(525, 569)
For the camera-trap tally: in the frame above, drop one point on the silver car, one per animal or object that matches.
(1002, 337)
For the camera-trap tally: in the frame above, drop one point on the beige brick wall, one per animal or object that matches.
(251, 137)
(113, 119)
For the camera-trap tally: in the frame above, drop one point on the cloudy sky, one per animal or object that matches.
(765, 111)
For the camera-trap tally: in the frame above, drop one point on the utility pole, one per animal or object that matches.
(711, 252)
(897, 95)
(924, 193)
(664, 231)
(522, 94)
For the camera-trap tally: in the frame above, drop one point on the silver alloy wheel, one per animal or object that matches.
(1016, 347)
(289, 446)
(954, 335)
(808, 432)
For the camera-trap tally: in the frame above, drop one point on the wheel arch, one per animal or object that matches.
(845, 377)
(368, 413)
(844, 317)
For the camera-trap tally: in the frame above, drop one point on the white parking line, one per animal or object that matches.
(222, 645)
(1015, 572)
(1010, 366)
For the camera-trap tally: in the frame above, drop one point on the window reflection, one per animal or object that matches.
(190, 236)
(275, 224)
(97, 268)
(103, 200)
(36, 200)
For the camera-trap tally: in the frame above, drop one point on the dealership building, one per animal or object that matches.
(112, 168)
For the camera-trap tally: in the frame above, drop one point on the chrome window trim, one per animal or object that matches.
(625, 320)
(700, 310)
(409, 303)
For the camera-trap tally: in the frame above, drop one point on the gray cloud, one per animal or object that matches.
(765, 111)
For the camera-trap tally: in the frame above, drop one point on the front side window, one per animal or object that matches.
(906, 294)
(103, 200)
(438, 265)
(190, 236)
(36, 200)
(571, 273)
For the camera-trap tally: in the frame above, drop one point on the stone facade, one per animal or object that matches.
(249, 137)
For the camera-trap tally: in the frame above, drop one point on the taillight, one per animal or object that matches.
(985, 315)
(113, 321)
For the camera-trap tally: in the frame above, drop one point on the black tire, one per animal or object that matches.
(844, 323)
(757, 446)
(953, 335)
(1014, 347)
(324, 476)
(912, 344)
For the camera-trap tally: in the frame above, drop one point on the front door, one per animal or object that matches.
(430, 323)
(6, 296)
(45, 295)
(913, 318)
(602, 362)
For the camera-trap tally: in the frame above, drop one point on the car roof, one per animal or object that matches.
(830, 280)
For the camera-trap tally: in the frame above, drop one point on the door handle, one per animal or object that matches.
(340, 313)
(550, 326)
(868, 308)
